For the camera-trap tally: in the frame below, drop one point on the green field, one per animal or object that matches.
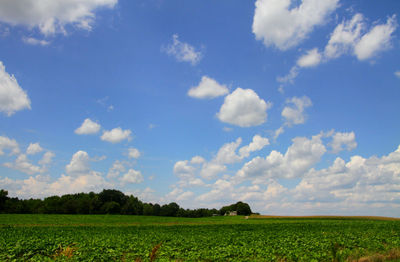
(141, 238)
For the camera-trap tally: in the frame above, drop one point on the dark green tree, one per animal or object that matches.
(111, 207)
(3, 199)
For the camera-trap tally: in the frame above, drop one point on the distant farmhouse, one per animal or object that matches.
(231, 213)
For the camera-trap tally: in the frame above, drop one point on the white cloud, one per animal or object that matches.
(208, 88)
(257, 144)
(279, 132)
(344, 37)
(210, 170)
(183, 52)
(197, 160)
(289, 78)
(244, 108)
(348, 37)
(133, 153)
(23, 165)
(343, 139)
(132, 177)
(376, 40)
(310, 59)
(222, 189)
(279, 26)
(183, 168)
(80, 164)
(299, 157)
(116, 169)
(187, 173)
(185, 196)
(12, 97)
(34, 41)
(40, 186)
(397, 73)
(34, 149)
(88, 127)
(116, 135)
(52, 17)
(294, 114)
(47, 158)
(227, 153)
(10, 144)
(360, 181)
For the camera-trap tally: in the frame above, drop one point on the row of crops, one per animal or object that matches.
(268, 240)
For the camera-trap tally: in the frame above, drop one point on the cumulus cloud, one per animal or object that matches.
(397, 73)
(183, 52)
(80, 164)
(132, 177)
(9, 144)
(299, 157)
(244, 108)
(229, 153)
(344, 37)
(34, 149)
(47, 158)
(276, 24)
(346, 140)
(362, 182)
(197, 160)
(257, 144)
(133, 153)
(12, 97)
(116, 169)
(360, 186)
(376, 40)
(221, 190)
(23, 164)
(348, 37)
(310, 59)
(210, 170)
(208, 88)
(88, 127)
(178, 195)
(42, 186)
(294, 112)
(116, 135)
(52, 17)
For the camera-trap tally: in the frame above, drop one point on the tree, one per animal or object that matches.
(240, 207)
(111, 207)
(243, 209)
(148, 209)
(108, 195)
(3, 199)
(133, 206)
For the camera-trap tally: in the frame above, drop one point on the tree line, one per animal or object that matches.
(108, 201)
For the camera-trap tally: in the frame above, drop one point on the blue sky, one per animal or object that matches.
(290, 106)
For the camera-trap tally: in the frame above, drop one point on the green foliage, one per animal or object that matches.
(3, 199)
(140, 238)
(241, 208)
(108, 201)
(111, 207)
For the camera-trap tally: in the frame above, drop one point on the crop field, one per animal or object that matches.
(141, 238)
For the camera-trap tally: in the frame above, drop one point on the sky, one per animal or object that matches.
(291, 106)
